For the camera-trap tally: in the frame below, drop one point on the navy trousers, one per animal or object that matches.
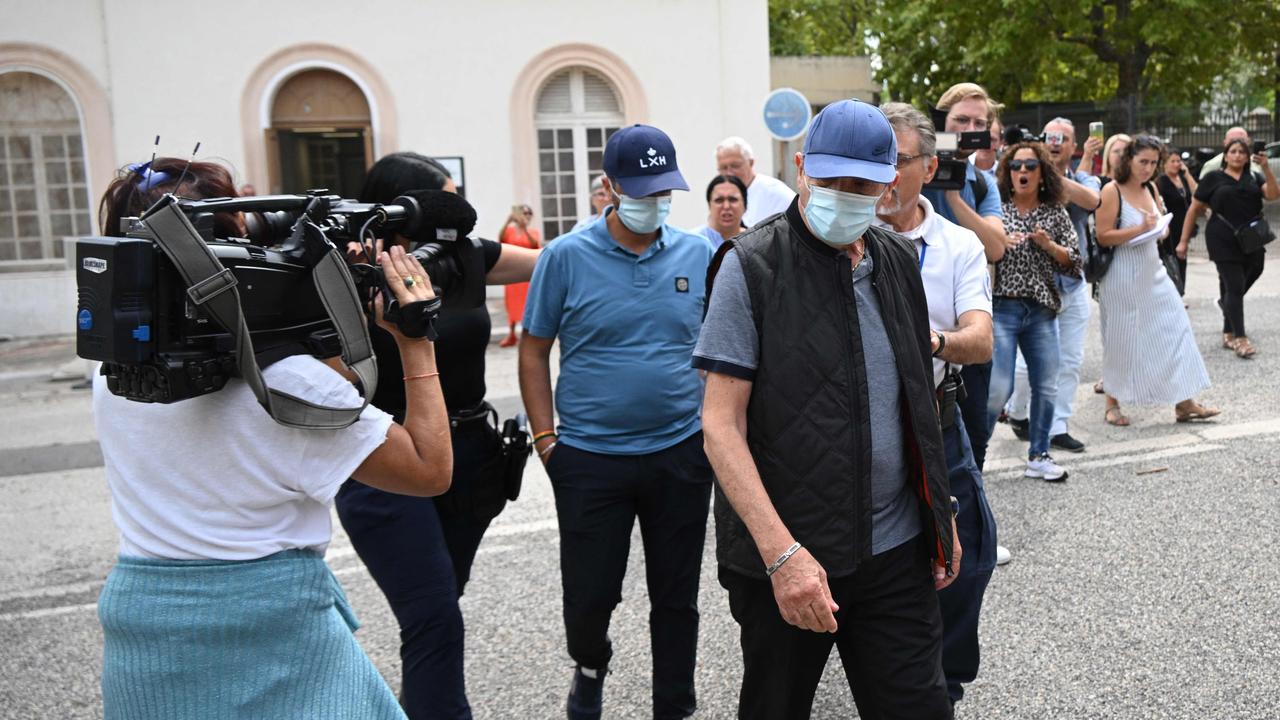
(977, 385)
(598, 499)
(961, 601)
(419, 551)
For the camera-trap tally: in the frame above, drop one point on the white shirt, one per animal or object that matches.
(214, 477)
(953, 268)
(766, 195)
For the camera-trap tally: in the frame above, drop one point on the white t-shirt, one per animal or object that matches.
(214, 477)
(766, 195)
(954, 272)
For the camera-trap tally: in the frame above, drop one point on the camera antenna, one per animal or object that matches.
(143, 175)
(187, 167)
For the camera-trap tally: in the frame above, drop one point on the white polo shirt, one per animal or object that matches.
(766, 195)
(953, 268)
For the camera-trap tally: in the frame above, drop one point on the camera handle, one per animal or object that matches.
(213, 288)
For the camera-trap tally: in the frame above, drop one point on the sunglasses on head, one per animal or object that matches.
(1028, 165)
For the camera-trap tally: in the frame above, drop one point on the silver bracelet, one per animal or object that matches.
(543, 452)
(769, 571)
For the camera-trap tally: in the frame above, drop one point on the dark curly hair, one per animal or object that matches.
(1051, 189)
(1142, 142)
(138, 187)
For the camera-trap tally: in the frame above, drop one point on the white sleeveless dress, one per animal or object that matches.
(1149, 353)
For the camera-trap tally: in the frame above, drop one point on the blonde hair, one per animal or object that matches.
(1106, 152)
(970, 91)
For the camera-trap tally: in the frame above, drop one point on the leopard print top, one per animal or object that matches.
(1026, 271)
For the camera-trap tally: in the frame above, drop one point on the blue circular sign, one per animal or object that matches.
(84, 320)
(787, 113)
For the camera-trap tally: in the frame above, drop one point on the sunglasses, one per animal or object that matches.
(1020, 165)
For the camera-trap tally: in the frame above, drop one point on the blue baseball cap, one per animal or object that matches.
(851, 139)
(643, 161)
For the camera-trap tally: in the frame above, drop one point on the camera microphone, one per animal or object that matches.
(435, 216)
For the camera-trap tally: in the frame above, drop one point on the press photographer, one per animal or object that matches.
(442, 534)
(221, 599)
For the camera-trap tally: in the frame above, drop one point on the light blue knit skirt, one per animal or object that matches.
(207, 639)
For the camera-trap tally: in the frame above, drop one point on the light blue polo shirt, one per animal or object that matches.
(990, 204)
(627, 326)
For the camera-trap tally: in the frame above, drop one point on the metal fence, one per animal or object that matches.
(1188, 128)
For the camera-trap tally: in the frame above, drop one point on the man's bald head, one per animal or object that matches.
(1234, 134)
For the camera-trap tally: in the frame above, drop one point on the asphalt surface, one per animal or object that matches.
(1144, 587)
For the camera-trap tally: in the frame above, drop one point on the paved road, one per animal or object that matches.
(1145, 587)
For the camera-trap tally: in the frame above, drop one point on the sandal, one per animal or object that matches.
(1196, 411)
(1244, 349)
(1113, 416)
(1228, 341)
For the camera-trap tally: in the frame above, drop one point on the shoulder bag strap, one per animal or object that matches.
(212, 287)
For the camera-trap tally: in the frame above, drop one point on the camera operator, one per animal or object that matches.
(439, 536)
(976, 207)
(221, 599)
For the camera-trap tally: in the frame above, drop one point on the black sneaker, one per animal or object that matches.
(1021, 428)
(586, 694)
(1064, 441)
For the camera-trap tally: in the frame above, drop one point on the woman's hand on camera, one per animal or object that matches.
(359, 252)
(407, 280)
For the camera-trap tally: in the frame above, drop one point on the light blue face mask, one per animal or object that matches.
(839, 218)
(643, 215)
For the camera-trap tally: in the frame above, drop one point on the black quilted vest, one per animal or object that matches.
(807, 419)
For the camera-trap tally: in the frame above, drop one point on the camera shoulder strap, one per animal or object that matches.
(212, 287)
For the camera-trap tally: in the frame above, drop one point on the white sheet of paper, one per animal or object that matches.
(1154, 233)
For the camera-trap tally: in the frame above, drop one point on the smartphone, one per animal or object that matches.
(1095, 130)
(1259, 146)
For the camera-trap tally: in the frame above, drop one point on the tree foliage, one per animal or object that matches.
(1166, 51)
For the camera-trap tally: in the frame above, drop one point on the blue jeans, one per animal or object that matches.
(1026, 324)
(1073, 321)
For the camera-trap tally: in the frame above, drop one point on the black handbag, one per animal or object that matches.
(1175, 273)
(481, 495)
(1254, 235)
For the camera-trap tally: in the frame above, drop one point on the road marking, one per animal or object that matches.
(1202, 433)
(1192, 449)
(46, 612)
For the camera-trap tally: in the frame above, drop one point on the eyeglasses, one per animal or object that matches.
(1028, 165)
(904, 159)
(1055, 138)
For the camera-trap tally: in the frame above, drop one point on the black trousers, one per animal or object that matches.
(889, 638)
(977, 384)
(598, 499)
(419, 551)
(1234, 281)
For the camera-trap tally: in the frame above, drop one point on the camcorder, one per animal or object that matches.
(1015, 134)
(142, 308)
(950, 174)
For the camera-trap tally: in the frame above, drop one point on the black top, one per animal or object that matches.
(1235, 201)
(1177, 198)
(464, 335)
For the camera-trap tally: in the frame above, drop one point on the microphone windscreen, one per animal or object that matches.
(442, 216)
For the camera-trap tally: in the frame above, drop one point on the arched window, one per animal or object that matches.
(320, 135)
(577, 111)
(44, 195)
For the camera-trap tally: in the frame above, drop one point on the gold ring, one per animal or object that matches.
(408, 282)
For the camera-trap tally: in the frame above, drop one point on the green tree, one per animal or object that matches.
(814, 27)
(1167, 51)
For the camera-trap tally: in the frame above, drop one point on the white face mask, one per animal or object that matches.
(643, 215)
(839, 218)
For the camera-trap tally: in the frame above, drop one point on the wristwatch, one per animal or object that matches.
(942, 343)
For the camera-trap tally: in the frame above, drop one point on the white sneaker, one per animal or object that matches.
(1044, 468)
(1003, 556)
